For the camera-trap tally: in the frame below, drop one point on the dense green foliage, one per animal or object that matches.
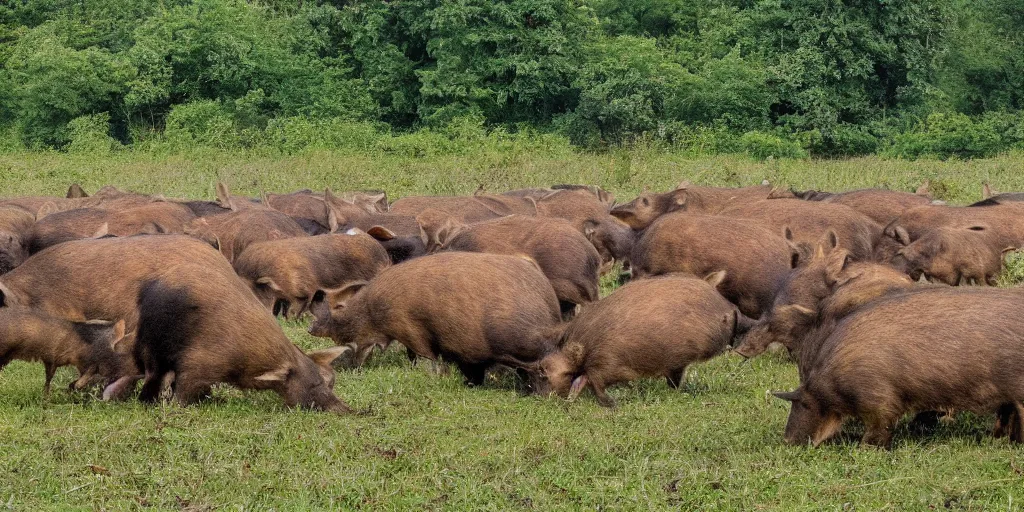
(768, 77)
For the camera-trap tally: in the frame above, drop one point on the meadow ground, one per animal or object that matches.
(425, 441)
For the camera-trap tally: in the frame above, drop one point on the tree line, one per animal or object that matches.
(770, 77)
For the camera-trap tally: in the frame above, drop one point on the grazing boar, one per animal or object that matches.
(650, 328)
(828, 287)
(935, 349)
(15, 232)
(284, 274)
(954, 256)
(808, 222)
(1006, 221)
(31, 335)
(475, 310)
(313, 211)
(755, 259)
(232, 232)
(565, 256)
(201, 326)
(399, 234)
(155, 217)
(467, 209)
(882, 206)
(647, 207)
(589, 214)
(991, 197)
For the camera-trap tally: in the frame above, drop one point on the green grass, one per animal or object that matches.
(425, 441)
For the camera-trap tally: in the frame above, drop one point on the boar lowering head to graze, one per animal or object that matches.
(284, 274)
(829, 286)
(589, 214)
(565, 256)
(647, 207)
(155, 217)
(200, 326)
(232, 232)
(649, 328)
(31, 335)
(954, 256)
(15, 230)
(935, 349)
(882, 206)
(756, 260)
(475, 310)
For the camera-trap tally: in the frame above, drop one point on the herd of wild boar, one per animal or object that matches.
(861, 287)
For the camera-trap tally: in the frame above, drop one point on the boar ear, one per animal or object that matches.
(75, 191)
(47, 208)
(986, 191)
(339, 296)
(780, 193)
(683, 185)
(679, 198)
(118, 331)
(381, 233)
(278, 375)
(715, 279)
(837, 262)
(269, 283)
(925, 189)
(902, 235)
(224, 196)
(797, 310)
(590, 229)
(480, 190)
(326, 357)
(789, 396)
(830, 239)
(102, 231)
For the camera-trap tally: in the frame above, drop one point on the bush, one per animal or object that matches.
(843, 141)
(948, 135)
(761, 146)
(201, 123)
(90, 134)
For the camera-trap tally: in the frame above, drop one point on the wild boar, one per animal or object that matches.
(991, 197)
(828, 287)
(756, 259)
(284, 274)
(31, 335)
(881, 205)
(1006, 221)
(603, 196)
(312, 210)
(152, 218)
(810, 221)
(954, 256)
(232, 232)
(647, 207)
(565, 256)
(650, 328)
(589, 214)
(200, 326)
(467, 209)
(936, 349)
(475, 310)
(15, 232)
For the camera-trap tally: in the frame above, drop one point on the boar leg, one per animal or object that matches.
(1010, 422)
(675, 378)
(190, 388)
(50, 370)
(924, 422)
(84, 380)
(474, 372)
(598, 384)
(878, 432)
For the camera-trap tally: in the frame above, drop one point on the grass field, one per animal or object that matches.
(425, 441)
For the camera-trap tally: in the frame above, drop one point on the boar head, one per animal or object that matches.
(307, 381)
(641, 212)
(100, 356)
(340, 314)
(808, 420)
(438, 229)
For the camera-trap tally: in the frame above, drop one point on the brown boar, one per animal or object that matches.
(232, 232)
(1006, 221)
(313, 211)
(284, 274)
(31, 335)
(755, 259)
(650, 328)
(881, 205)
(15, 232)
(467, 209)
(589, 214)
(565, 256)
(810, 221)
(647, 207)
(954, 256)
(473, 309)
(201, 326)
(991, 197)
(152, 218)
(603, 196)
(935, 349)
(829, 286)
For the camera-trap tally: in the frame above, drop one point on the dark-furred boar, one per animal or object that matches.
(649, 328)
(475, 310)
(926, 350)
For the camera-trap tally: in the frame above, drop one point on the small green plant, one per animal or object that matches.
(1013, 269)
(761, 145)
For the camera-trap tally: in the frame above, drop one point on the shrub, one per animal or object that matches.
(90, 134)
(948, 135)
(761, 146)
